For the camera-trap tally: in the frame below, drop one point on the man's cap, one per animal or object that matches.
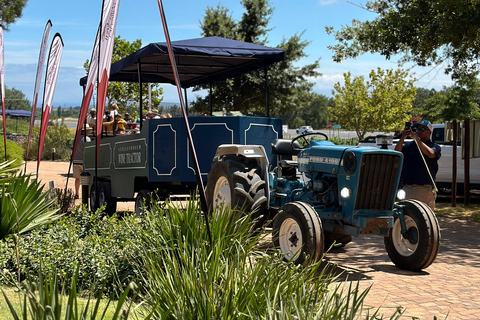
(93, 110)
(425, 123)
(154, 111)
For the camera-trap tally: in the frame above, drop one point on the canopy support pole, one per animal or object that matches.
(210, 99)
(139, 70)
(267, 98)
(186, 100)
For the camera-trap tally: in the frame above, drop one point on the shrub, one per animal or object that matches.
(344, 141)
(102, 245)
(58, 136)
(24, 205)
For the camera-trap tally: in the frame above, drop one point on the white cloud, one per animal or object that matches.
(326, 2)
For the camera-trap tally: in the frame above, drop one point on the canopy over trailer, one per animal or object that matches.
(199, 61)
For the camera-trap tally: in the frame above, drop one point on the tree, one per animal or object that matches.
(426, 32)
(455, 102)
(288, 84)
(16, 100)
(126, 94)
(382, 104)
(10, 11)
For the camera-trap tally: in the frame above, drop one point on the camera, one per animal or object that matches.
(408, 126)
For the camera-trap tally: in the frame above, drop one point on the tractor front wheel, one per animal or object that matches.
(417, 248)
(298, 233)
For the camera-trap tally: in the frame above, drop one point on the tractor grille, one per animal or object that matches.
(377, 179)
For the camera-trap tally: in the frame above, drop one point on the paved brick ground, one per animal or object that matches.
(448, 289)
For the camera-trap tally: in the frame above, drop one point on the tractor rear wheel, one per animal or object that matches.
(417, 248)
(298, 233)
(231, 184)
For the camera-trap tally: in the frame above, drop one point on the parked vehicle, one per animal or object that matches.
(445, 168)
(304, 129)
(328, 194)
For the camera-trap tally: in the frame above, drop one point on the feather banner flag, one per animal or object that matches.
(87, 94)
(107, 39)
(2, 80)
(53, 64)
(38, 79)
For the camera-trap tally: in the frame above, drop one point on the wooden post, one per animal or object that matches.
(454, 163)
(466, 167)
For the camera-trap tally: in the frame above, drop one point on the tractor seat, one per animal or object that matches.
(283, 147)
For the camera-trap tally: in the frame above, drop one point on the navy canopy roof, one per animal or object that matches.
(17, 113)
(199, 61)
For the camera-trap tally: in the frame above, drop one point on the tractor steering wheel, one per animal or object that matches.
(298, 146)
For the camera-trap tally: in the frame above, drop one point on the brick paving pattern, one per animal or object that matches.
(447, 289)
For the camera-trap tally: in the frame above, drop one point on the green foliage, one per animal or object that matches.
(126, 94)
(344, 141)
(455, 102)
(24, 204)
(58, 136)
(44, 298)
(288, 83)
(383, 103)
(14, 152)
(16, 100)
(425, 32)
(10, 11)
(183, 273)
(187, 276)
(15, 125)
(101, 245)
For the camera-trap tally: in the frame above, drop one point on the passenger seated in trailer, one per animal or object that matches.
(118, 123)
(153, 114)
(107, 125)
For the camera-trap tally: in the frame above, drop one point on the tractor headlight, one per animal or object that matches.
(345, 193)
(349, 162)
(401, 194)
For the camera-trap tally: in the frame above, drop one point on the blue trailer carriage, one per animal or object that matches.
(130, 167)
(158, 158)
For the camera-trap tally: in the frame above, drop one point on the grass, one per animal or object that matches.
(14, 298)
(469, 213)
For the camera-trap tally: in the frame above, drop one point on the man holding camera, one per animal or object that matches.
(420, 162)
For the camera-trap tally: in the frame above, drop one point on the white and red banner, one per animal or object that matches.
(38, 79)
(107, 39)
(53, 65)
(87, 93)
(2, 83)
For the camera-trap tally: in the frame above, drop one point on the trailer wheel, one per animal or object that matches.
(233, 185)
(298, 233)
(104, 197)
(418, 247)
(142, 202)
(111, 202)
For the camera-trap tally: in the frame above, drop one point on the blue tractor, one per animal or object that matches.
(319, 194)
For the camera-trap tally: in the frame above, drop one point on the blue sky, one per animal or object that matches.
(77, 22)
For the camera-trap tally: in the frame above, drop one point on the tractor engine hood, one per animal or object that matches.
(324, 156)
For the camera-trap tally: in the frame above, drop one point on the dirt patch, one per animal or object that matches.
(55, 173)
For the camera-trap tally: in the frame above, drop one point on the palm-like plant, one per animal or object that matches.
(23, 204)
